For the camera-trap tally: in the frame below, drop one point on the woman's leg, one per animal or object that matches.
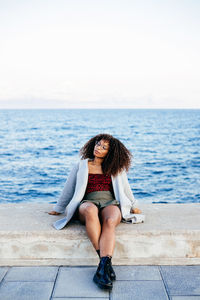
(88, 214)
(111, 217)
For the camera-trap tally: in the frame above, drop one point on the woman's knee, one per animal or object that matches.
(111, 216)
(111, 221)
(88, 210)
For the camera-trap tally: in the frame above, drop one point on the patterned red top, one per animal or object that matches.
(99, 182)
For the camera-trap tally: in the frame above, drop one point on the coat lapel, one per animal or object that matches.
(118, 187)
(81, 184)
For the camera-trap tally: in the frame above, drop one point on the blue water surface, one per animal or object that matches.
(39, 147)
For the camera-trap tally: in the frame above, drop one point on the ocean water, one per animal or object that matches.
(39, 147)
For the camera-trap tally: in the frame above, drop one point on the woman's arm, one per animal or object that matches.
(67, 192)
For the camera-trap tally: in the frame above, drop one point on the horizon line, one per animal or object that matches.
(118, 108)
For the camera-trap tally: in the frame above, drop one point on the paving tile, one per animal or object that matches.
(137, 273)
(3, 271)
(81, 298)
(77, 282)
(185, 298)
(138, 290)
(26, 290)
(31, 274)
(182, 280)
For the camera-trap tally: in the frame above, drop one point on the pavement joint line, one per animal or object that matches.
(165, 283)
(3, 279)
(30, 280)
(139, 280)
(55, 282)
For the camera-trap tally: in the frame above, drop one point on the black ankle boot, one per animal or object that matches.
(110, 268)
(102, 276)
(111, 271)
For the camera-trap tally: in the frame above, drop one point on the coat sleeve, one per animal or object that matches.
(128, 191)
(68, 191)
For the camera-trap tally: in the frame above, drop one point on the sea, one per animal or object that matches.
(38, 148)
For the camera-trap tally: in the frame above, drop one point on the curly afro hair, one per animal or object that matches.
(117, 159)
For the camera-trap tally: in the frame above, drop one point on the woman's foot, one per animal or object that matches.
(102, 276)
(111, 272)
(53, 212)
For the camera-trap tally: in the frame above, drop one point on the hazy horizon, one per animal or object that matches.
(99, 54)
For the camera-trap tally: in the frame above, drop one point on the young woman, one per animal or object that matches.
(98, 189)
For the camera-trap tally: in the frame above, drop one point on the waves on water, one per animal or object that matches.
(39, 147)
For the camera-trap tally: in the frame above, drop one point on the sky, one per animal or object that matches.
(99, 54)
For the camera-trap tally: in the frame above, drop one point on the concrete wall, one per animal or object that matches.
(170, 235)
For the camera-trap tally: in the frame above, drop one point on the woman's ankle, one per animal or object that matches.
(98, 252)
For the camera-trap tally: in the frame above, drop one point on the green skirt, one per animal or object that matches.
(101, 199)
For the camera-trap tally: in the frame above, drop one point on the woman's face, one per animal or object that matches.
(101, 149)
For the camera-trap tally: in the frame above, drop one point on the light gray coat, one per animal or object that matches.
(74, 191)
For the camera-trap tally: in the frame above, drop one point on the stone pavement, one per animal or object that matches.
(133, 283)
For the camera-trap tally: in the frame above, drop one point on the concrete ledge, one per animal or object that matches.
(170, 235)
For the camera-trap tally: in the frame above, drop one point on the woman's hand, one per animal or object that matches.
(53, 212)
(136, 211)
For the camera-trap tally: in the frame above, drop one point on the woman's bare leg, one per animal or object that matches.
(88, 214)
(111, 217)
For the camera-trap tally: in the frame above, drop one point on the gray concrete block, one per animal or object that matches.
(185, 298)
(138, 290)
(170, 235)
(182, 280)
(137, 272)
(26, 290)
(77, 282)
(3, 271)
(31, 274)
